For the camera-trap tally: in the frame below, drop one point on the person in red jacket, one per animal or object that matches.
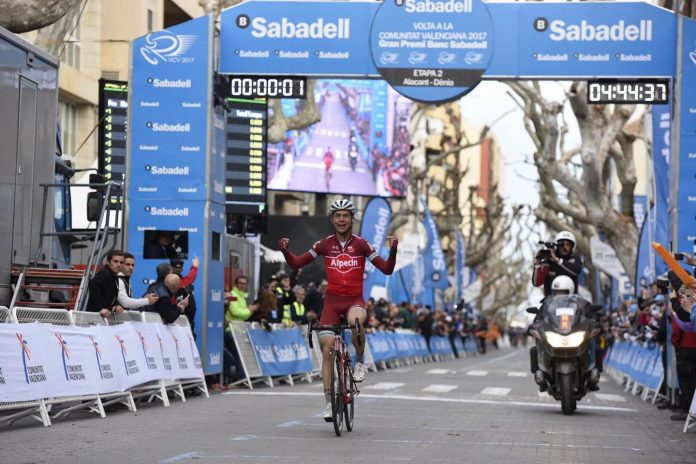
(685, 349)
(344, 258)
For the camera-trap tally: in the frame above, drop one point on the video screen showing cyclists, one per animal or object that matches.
(365, 124)
(344, 259)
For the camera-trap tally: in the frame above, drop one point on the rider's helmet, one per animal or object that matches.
(342, 205)
(565, 235)
(562, 285)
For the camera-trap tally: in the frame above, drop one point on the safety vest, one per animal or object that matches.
(299, 312)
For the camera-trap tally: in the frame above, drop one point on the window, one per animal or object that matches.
(165, 244)
(68, 125)
(70, 55)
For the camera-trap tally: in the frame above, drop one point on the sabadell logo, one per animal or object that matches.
(155, 211)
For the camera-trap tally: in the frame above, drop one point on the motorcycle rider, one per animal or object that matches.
(560, 262)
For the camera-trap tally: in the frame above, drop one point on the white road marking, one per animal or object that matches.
(496, 402)
(290, 423)
(438, 371)
(603, 380)
(543, 394)
(495, 391)
(385, 386)
(477, 373)
(609, 397)
(517, 374)
(437, 388)
(183, 457)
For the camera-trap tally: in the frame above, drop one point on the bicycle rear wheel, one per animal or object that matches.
(349, 407)
(336, 393)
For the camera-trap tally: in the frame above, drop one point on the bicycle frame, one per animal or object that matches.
(343, 389)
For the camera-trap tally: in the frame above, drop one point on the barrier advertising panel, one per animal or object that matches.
(281, 352)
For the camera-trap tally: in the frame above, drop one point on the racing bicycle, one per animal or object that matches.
(343, 390)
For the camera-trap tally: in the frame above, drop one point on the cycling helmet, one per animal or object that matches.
(342, 205)
(565, 235)
(562, 285)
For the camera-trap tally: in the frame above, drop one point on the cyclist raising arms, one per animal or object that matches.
(344, 258)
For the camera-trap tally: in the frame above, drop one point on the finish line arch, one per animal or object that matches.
(175, 161)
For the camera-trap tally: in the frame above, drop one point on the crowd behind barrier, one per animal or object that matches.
(53, 362)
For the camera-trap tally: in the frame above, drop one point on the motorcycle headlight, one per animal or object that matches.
(565, 341)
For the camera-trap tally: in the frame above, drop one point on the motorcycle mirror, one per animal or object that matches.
(533, 310)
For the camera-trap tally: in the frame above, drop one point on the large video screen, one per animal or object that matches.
(360, 146)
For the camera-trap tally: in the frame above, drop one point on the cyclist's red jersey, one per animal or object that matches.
(345, 265)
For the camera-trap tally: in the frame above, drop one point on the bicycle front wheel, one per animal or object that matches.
(349, 407)
(336, 392)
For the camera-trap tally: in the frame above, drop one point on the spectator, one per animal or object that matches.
(103, 288)
(237, 310)
(186, 289)
(167, 305)
(298, 312)
(268, 304)
(410, 316)
(684, 346)
(314, 301)
(285, 297)
(163, 270)
(125, 295)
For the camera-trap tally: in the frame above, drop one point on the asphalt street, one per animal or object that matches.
(481, 409)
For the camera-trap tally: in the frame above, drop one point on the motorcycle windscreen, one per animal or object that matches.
(561, 311)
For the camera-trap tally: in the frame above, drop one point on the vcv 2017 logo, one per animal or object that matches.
(164, 46)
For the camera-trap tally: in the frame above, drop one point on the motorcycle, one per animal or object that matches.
(353, 157)
(564, 359)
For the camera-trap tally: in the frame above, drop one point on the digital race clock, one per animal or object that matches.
(648, 91)
(265, 87)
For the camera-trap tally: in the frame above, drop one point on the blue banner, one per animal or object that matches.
(686, 196)
(380, 347)
(374, 228)
(171, 85)
(564, 40)
(281, 352)
(434, 263)
(440, 345)
(308, 38)
(460, 273)
(661, 121)
(582, 40)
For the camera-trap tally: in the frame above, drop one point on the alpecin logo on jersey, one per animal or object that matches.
(343, 263)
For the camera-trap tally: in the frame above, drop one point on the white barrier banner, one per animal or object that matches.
(132, 370)
(187, 353)
(106, 358)
(167, 349)
(49, 361)
(72, 367)
(148, 334)
(23, 361)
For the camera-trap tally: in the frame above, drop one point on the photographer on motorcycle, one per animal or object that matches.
(557, 260)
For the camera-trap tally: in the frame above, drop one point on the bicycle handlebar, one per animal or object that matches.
(336, 329)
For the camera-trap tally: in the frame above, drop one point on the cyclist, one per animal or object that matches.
(328, 162)
(344, 258)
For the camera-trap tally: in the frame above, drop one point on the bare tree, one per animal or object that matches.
(574, 182)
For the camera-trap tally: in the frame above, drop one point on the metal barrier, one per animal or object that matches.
(247, 354)
(6, 315)
(42, 315)
(41, 409)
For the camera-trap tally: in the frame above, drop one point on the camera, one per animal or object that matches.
(662, 284)
(544, 254)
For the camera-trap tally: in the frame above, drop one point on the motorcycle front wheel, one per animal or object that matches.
(568, 402)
